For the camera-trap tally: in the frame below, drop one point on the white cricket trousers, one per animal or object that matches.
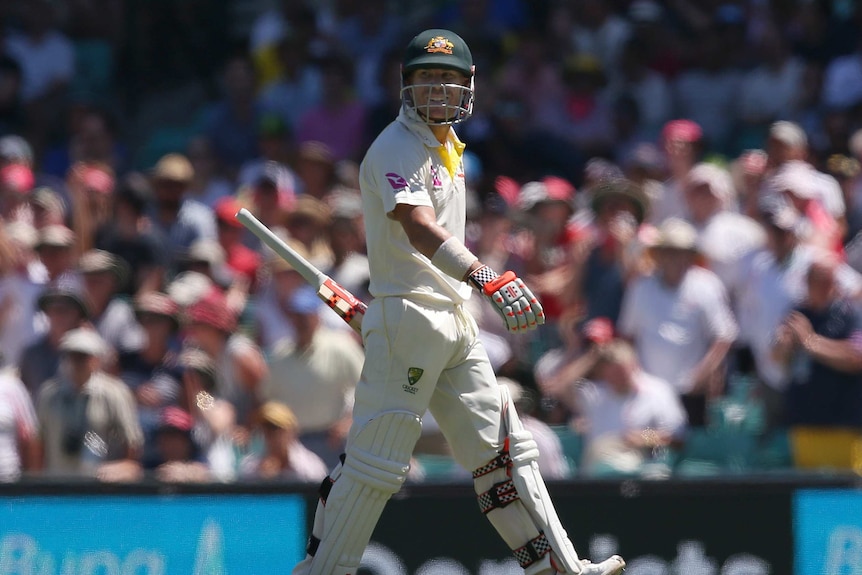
(457, 383)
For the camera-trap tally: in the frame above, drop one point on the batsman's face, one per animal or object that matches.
(437, 94)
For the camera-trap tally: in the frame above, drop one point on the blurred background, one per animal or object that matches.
(678, 180)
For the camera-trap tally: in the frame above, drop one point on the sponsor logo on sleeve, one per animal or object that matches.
(396, 181)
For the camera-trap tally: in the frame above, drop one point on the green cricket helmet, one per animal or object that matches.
(438, 49)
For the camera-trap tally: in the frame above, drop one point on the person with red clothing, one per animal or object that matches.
(240, 259)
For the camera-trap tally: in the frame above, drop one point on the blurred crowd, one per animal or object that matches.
(679, 181)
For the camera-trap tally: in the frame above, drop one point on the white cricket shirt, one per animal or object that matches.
(404, 166)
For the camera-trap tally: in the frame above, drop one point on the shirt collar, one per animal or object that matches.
(422, 131)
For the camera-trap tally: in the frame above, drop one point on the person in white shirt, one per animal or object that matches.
(680, 321)
(314, 373)
(725, 236)
(627, 416)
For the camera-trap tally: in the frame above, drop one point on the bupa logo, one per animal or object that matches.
(396, 181)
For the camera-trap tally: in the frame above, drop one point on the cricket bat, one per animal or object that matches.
(344, 303)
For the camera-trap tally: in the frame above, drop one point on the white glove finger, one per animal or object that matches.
(511, 320)
(530, 314)
(519, 313)
(535, 305)
(539, 311)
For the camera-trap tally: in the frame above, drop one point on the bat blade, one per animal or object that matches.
(345, 304)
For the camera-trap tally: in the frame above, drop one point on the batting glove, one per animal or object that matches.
(514, 301)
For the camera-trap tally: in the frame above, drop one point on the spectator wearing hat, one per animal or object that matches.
(795, 182)
(283, 456)
(208, 258)
(91, 190)
(604, 264)
(178, 220)
(104, 275)
(19, 429)
(208, 184)
(179, 458)
(725, 236)
(19, 291)
(87, 416)
(315, 374)
(129, 236)
(55, 246)
(243, 262)
(269, 197)
(629, 417)
(64, 308)
(774, 282)
(215, 430)
(47, 208)
(152, 372)
(316, 169)
(307, 221)
(788, 142)
(211, 325)
(679, 320)
(682, 143)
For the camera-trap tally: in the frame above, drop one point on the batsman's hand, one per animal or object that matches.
(518, 306)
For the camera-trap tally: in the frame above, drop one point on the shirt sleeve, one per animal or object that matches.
(400, 176)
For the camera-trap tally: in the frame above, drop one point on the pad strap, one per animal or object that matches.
(499, 496)
(502, 461)
(533, 551)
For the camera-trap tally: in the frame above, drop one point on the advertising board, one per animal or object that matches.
(151, 535)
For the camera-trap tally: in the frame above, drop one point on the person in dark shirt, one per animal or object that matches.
(822, 339)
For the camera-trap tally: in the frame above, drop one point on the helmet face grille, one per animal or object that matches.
(438, 103)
